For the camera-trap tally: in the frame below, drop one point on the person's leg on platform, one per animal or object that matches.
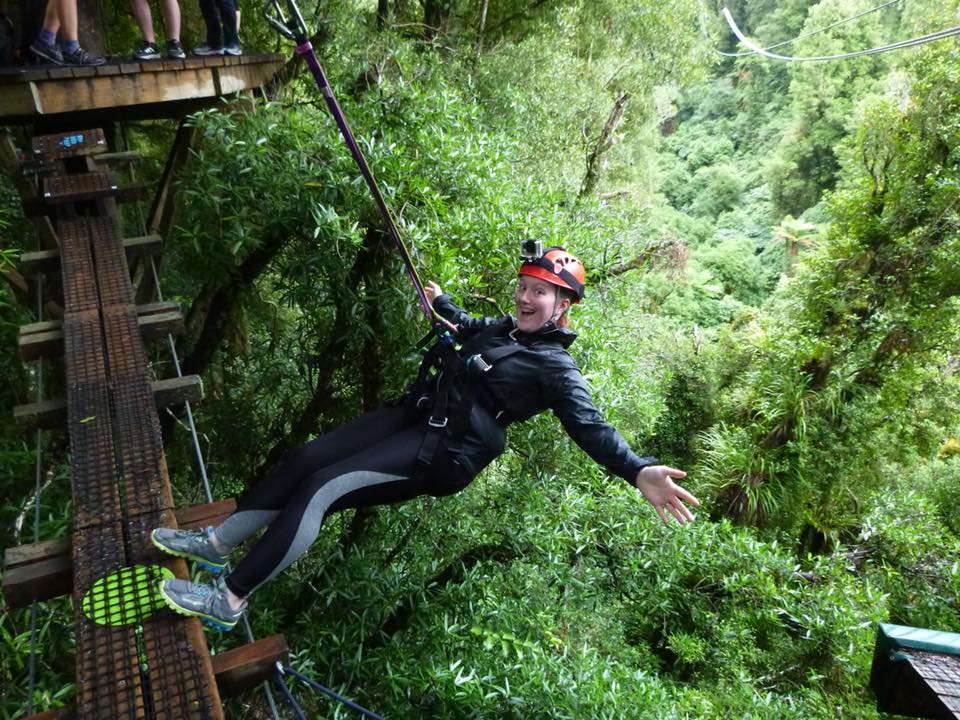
(214, 41)
(70, 48)
(228, 18)
(44, 47)
(171, 20)
(147, 49)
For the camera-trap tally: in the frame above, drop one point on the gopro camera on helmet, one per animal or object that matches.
(530, 250)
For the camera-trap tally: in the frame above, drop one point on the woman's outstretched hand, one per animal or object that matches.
(657, 485)
(433, 291)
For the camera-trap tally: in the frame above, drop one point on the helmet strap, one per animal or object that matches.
(556, 304)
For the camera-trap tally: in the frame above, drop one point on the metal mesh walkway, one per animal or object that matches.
(133, 659)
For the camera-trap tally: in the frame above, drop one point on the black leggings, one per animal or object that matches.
(370, 461)
(217, 13)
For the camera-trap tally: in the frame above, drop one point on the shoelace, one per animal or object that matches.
(187, 534)
(202, 590)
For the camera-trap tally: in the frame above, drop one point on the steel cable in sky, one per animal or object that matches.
(912, 42)
(815, 32)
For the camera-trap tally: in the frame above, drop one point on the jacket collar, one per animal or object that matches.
(548, 332)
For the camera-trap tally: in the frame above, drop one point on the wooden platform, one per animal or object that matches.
(916, 672)
(126, 89)
(132, 661)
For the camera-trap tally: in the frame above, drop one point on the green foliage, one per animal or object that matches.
(801, 366)
(850, 337)
(907, 543)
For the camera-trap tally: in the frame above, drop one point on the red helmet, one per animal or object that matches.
(558, 267)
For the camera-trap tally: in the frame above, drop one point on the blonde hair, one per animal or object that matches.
(562, 292)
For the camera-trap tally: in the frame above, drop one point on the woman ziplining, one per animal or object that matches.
(449, 426)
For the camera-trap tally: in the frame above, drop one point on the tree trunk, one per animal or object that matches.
(604, 143)
(434, 15)
(482, 25)
(330, 351)
(383, 13)
(211, 310)
(92, 30)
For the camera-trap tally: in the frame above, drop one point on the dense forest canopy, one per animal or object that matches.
(773, 267)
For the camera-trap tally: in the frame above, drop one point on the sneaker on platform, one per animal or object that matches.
(45, 52)
(232, 49)
(146, 51)
(175, 50)
(203, 600)
(81, 57)
(203, 49)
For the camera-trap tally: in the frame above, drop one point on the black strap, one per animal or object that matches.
(562, 273)
(446, 430)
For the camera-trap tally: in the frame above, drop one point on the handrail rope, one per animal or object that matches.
(805, 35)
(912, 42)
(198, 454)
(291, 700)
(287, 670)
(38, 468)
(195, 441)
(295, 28)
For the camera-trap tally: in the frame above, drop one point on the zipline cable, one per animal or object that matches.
(295, 28)
(201, 465)
(38, 468)
(285, 670)
(805, 35)
(913, 42)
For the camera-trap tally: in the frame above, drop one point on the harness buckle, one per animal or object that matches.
(432, 422)
(476, 363)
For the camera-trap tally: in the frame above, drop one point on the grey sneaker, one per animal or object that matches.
(44, 52)
(175, 50)
(191, 544)
(81, 57)
(204, 49)
(232, 49)
(146, 51)
(205, 601)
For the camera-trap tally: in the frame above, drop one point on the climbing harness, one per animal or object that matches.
(298, 711)
(454, 390)
(293, 26)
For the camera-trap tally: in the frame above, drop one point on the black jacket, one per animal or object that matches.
(539, 377)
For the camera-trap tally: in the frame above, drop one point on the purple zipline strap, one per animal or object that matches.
(306, 51)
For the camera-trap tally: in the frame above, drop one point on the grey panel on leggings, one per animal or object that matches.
(316, 510)
(241, 525)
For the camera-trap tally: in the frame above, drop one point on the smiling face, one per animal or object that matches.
(536, 302)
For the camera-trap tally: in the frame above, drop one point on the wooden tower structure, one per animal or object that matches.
(134, 659)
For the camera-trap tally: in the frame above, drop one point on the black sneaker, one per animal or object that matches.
(175, 50)
(45, 52)
(146, 51)
(81, 57)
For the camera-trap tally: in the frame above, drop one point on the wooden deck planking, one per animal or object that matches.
(154, 666)
(125, 84)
